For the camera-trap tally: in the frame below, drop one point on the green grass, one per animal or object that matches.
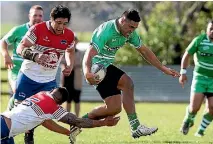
(167, 117)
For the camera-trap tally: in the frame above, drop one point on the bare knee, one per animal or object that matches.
(114, 110)
(194, 109)
(126, 83)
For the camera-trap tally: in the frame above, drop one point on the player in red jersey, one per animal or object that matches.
(40, 109)
(42, 48)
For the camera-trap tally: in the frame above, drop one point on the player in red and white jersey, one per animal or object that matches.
(42, 48)
(40, 108)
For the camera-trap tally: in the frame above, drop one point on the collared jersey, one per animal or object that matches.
(50, 44)
(202, 49)
(106, 39)
(32, 112)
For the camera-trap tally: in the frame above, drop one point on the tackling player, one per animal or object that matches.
(40, 109)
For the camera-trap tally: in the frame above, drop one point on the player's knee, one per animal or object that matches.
(114, 110)
(194, 109)
(127, 82)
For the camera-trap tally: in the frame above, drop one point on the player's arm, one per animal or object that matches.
(26, 52)
(69, 58)
(53, 126)
(8, 39)
(87, 59)
(190, 50)
(72, 119)
(150, 57)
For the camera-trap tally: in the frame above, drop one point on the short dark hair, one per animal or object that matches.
(60, 11)
(132, 14)
(64, 93)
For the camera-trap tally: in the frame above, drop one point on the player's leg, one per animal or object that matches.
(109, 92)
(5, 133)
(69, 85)
(126, 85)
(77, 101)
(208, 114)
(69, 99)
(111, 107)
(196, 100)
(207, 117)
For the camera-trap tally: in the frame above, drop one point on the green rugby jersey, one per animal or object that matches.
(202, 49)
(14, 37)
(106, 39)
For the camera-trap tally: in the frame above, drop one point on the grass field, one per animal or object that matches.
(167, 117)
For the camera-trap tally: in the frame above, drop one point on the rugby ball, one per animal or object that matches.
(99, 70)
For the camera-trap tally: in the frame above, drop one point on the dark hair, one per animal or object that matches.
(64, 93)
(132, 14)
(60, 11)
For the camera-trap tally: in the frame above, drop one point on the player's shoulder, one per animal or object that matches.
(109, 25)
(107, 28)
(41, 25)
(200, 37)
(20, 27)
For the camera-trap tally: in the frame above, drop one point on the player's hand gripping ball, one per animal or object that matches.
(99, 70)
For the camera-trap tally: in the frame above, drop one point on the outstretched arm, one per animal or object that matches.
(53, 126)
(152, 59)
(72, 119)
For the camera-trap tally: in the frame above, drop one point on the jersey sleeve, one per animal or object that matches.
(135, 40)
(192, 47)
(100, 38)
(32, 34)
(59, 113)
(10, 37)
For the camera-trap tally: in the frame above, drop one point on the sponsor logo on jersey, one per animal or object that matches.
(46, 39)
(205, 47)
(113, 40)
(63, 42)
(113, 49)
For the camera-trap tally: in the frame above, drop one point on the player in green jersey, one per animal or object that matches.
(202, 84)
(13, 37)
(106, 40)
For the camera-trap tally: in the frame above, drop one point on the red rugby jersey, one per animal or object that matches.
(48, 43)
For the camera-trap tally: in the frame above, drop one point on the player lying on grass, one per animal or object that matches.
(41, 108)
